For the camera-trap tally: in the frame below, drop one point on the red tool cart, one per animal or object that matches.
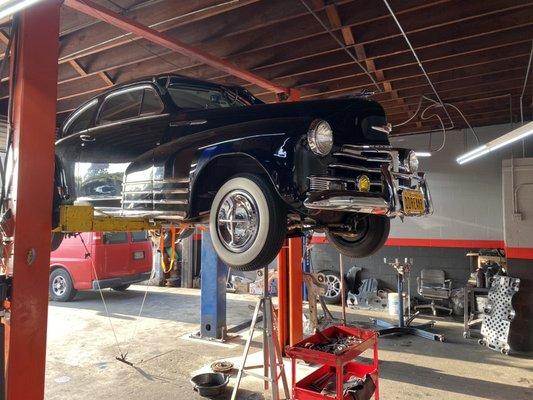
(341, 365)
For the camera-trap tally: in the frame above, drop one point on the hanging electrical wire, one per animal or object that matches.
(342, 45)
(417, 59)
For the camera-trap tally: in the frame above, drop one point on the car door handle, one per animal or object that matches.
(87, 138)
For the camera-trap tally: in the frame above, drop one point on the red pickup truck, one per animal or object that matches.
(120, 259)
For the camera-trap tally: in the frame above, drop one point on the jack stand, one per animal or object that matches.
(272, 358)
(404, 326)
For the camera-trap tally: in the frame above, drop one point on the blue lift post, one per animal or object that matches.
(213, 293)
(306, 260)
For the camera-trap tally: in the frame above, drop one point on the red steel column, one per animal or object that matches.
(34, 121)
(295, 290)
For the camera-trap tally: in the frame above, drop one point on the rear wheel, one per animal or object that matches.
(247, 223)
(121, 288)
(60, 286)
(369, 236)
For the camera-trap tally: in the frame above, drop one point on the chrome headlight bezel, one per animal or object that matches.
(411, 162)
(320, 137)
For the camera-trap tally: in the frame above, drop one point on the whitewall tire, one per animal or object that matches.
(247, 222)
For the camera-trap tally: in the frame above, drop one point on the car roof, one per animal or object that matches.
(160, 80)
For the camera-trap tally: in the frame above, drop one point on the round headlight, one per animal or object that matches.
(320, 137)
(412, 162)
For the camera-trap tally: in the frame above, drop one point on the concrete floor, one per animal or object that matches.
(81, 353)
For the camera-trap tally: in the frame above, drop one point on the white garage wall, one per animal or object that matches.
(467, 198)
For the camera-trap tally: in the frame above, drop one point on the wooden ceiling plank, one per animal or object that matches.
(77, 67)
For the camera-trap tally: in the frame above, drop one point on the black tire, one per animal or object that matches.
(56, 240)
(121, 288)
(263, 245)
(60, 287)
(372, 230)
(333, 279)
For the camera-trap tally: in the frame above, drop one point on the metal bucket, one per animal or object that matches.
(210, 384)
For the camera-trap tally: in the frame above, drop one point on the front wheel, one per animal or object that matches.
(248, 223)
(369, 236)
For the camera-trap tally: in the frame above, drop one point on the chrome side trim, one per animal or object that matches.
(155, 201)
(157, 191)
(184, 180)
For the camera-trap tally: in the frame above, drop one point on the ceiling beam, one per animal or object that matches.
(164, 40)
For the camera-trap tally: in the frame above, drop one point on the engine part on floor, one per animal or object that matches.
(222, 366)
(273, 368)
(475, 299)
(210, 384)
(457, 301)
(404, 325)
(368, 296)
(317, 286)
(353, 280)
(499, 313)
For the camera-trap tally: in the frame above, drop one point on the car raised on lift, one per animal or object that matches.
(177, 149)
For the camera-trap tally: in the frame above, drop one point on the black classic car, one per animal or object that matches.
(178, 149)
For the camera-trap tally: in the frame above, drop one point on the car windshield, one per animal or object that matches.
(202, 98)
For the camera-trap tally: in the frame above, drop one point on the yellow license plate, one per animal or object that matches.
(413, 202)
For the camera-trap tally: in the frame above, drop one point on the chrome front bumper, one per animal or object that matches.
(388, 203)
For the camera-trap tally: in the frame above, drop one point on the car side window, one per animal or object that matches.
(151, 102)
(81, 119)
(115, 237)
(121, 105)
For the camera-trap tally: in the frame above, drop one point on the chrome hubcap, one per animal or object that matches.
(334, 286)
(237, 221)
(59, 286)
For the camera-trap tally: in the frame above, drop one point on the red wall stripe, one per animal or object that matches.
(450, 243)
(519, 252)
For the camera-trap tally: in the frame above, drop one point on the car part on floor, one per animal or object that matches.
(317, 287)
(333, 291)
(210, 384)
(499, 313)
(404, 325)
(222, 366)
(273, 368)
(474, 297)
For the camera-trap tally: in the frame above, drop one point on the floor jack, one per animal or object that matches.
(404, 325)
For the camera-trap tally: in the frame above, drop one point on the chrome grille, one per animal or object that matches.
(351, 161)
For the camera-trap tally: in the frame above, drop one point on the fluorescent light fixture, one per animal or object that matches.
(10, 7)
(422, 153)
(504, 140)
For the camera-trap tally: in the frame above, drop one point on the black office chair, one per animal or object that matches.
(433, 286)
